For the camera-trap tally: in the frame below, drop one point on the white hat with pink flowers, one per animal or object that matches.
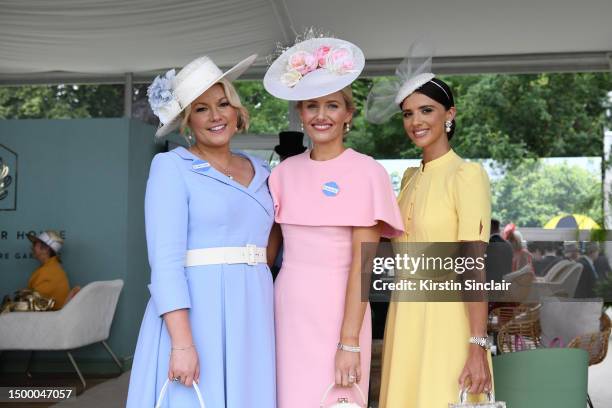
(313, 68)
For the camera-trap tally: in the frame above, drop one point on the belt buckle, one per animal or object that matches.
(251, 254)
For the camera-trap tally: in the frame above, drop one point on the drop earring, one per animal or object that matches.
(301, 127)
(347, 127)
(448, 125)
(188, 137)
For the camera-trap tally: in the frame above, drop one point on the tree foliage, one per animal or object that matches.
(268, 114)
(511, 119)
(506, 117)
(61, 101)
(532, 193)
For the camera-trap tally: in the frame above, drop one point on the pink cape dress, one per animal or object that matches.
(317, 203)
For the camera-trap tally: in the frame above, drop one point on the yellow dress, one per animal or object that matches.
(426, 343)
(51, 281)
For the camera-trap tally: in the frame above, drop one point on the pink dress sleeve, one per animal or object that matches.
(352, 191)
(384, 203)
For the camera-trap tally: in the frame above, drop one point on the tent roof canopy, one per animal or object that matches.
(102, 40)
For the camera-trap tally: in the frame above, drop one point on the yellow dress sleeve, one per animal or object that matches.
(473, 202)
(407, 176)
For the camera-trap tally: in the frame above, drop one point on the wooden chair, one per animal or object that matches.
(521, 331)
(596, 344)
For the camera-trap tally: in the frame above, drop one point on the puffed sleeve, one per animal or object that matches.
(410, 171)
(473, 202)
(384, 202)
(166, 212)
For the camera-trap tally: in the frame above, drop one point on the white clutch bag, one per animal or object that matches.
(491, 403)
(162, 393)
(343, 402)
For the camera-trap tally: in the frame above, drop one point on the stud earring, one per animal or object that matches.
(347, 127)
(448, 125)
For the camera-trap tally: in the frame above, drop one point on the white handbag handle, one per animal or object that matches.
(332, 385)
(162, 393)
(463, 396)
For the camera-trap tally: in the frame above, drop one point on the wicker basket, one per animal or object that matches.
(523, 326)
(596, 344)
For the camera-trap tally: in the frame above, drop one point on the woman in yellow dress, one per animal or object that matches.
(433, 350)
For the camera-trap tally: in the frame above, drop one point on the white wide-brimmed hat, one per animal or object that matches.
(313, 68)
(50, 238)
(171, 93)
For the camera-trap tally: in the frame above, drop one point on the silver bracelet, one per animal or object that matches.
(481, 341)
(181, 348)
(351, 349)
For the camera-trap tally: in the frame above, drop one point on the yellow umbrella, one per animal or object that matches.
(577, 221)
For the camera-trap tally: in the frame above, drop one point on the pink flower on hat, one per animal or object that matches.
(303, 62)
(340, 60)
(321, 55)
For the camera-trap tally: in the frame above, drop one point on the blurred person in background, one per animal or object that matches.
(49, 279)
(571, 252)
(499, 254)
(549, 258)
(520, 256)
(602, 265)
(536, 251)
(589, 276)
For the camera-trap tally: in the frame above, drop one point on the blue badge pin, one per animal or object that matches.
(200, 165)
(331, 189)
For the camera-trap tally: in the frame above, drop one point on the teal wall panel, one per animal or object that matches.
(87, 178)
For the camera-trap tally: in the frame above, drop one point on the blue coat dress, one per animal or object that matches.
(190, 205)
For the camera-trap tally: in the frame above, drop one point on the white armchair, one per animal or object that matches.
(86, 319)
(559, 282)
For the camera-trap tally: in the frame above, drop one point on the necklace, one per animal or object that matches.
(224, 169)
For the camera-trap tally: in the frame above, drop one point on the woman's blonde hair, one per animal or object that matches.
(234, 100)
(347, 95)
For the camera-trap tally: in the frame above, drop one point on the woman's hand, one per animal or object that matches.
(184, 365)
(348, 368)
(476, 371)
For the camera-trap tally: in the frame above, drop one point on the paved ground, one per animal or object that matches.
(109, 394)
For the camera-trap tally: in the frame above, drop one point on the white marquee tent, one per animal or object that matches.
(103, 40)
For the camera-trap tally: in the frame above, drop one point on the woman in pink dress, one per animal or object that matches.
(328, 201)
(520, 256)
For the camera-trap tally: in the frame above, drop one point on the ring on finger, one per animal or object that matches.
(176, 379)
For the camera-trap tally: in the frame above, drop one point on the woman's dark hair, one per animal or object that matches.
(441, 93)
(47, 248)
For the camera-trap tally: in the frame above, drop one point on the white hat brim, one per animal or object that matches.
(231, 75)
(412, 85)
(317, 83)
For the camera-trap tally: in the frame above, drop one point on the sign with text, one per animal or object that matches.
(8, 179)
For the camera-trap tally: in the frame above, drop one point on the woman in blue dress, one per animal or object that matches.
(208, 218)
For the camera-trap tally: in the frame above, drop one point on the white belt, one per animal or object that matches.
(250, 255)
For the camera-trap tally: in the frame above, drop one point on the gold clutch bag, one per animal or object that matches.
(27, 300)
